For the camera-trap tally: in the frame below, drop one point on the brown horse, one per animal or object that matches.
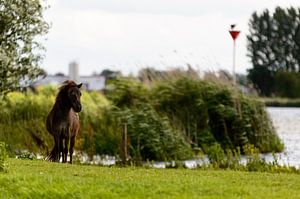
(63, 121)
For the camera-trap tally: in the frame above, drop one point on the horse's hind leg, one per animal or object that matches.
(72, 143)
(56, 149)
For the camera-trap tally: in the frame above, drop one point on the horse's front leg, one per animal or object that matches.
(66, 146)
(61, 147)
(56, 149)
(72, 143)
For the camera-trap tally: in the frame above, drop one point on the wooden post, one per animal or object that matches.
(124, 145)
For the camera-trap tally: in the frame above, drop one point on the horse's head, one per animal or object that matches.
(74, 95)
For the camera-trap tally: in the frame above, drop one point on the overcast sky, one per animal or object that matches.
(128, 35)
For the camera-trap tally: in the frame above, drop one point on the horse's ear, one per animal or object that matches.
(79, 85)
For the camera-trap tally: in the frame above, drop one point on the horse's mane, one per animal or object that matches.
(64, 87)
(67, 84)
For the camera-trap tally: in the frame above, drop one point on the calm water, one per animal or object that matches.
(287, 124)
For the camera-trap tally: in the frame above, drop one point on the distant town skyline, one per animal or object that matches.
(128, 35)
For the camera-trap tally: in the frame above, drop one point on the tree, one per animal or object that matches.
(287, 84)
(273, 46)
(21, 25)
(110, 74)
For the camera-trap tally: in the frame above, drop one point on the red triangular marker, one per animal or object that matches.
(234, 34)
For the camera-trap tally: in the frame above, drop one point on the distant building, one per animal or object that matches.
(93, 82)
(74, 71)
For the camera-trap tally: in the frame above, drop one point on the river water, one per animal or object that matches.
(287, 124)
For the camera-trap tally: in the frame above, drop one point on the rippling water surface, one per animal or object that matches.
(287, 124)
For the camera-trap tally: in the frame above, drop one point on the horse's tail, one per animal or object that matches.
(52, 156)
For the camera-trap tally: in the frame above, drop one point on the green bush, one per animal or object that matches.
(254, 162)
(152, 137)
(203, 114)
(287, 84)
(27, 156)
(210, 113)
(216, 156)
(258, 126)
(3, 156)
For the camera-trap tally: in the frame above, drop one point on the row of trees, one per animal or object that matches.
(274, 50)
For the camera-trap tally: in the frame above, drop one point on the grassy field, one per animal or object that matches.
(39, 179)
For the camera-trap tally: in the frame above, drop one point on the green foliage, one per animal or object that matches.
(216, 156)
(27, 156)
(263, 80)
(22, 120)
(150, 133)
(273, 46)
(258, 126)
(21, 23)
(152, 137)
(110, 74)
(181, 100)
(254, 162)
(199, 113)
(229, 160)
(208, 113)
(127, 92)
(287, 84)
(3, 156)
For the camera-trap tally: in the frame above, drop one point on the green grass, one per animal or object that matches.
(39, 179)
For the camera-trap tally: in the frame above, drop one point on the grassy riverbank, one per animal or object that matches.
(281, 102)
(39, 179)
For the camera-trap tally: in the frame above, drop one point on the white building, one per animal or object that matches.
(74, 71)
(93, 82)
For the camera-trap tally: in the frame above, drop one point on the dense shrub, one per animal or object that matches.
(287, 84)
(151, 136)
(216, 155)
(209, 113)
(3, 156)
